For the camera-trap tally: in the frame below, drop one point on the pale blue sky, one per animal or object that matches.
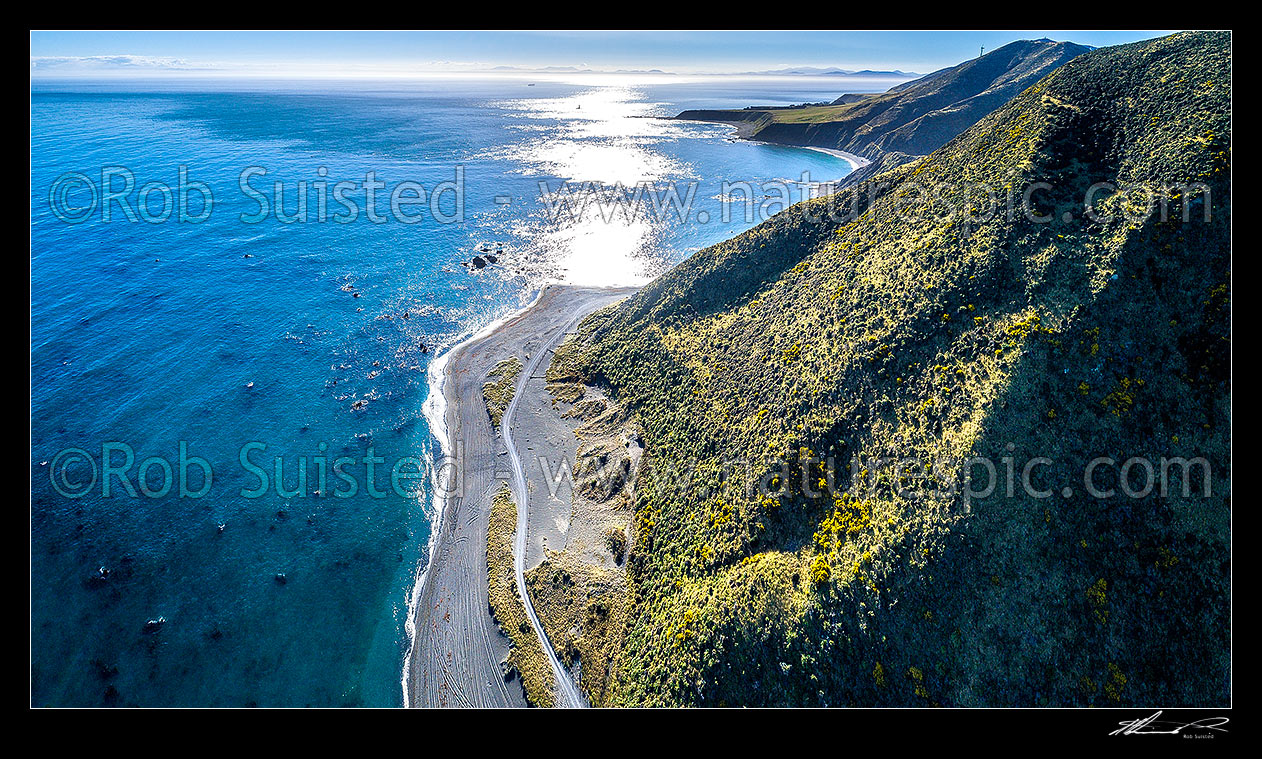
(142, 54)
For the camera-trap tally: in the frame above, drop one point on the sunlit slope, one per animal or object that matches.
(917, 335)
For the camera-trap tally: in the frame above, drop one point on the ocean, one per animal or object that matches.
(229, 456)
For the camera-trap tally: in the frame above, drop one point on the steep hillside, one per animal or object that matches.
(862, 325)
(915, 118)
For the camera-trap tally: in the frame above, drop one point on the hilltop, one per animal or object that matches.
(861, 325)
(911, 119)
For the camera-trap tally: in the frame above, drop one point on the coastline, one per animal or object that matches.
(442, 411)
(434, 410)
(442, 408)
(443, 403)
(454, 648)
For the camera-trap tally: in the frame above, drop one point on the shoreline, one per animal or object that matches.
(448, 609)
(434, 411)
(856, 161)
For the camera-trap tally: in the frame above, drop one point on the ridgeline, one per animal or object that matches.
(912, 119)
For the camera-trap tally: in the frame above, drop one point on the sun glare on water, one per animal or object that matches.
(601, 137)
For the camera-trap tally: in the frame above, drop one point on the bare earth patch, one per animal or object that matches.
(579, 586)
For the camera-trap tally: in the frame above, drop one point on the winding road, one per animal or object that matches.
(568, 695)
(456, 649)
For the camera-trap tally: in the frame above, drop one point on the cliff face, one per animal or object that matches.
(861, 327)
(915, 118)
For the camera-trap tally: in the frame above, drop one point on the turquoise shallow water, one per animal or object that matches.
(310, 339)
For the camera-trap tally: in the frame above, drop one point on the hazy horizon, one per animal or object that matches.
(393, 55)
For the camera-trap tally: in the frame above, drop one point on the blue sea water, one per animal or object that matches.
(311, 340)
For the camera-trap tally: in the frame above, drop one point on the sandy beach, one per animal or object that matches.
(456, 649)
(743, 130)
(856, 161)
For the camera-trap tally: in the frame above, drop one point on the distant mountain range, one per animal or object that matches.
(811, 71)
(574, 70)
(800, 71)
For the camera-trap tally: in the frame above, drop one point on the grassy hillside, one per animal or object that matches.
(914, 118)
(939, 337)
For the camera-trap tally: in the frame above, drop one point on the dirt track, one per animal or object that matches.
(457, 649)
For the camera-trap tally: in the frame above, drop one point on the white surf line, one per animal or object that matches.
(569, 697)
(856, 162)
(434, 409)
